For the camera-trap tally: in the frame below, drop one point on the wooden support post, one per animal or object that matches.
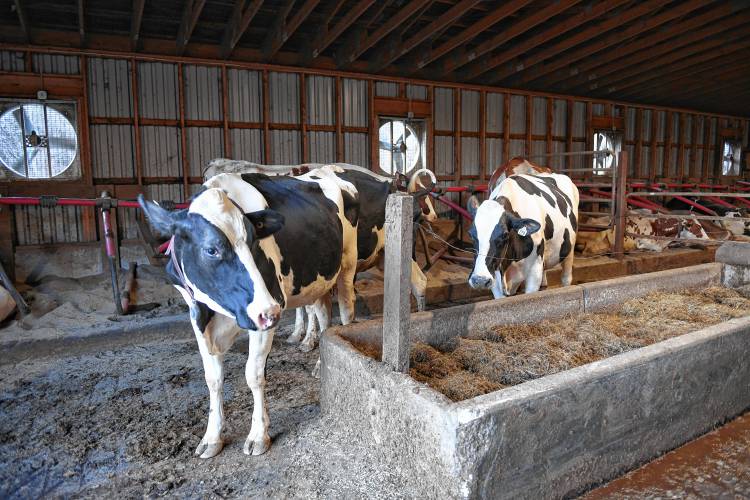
(303, 117)
(506, 127)
(431, 129)
(638, 143)
(692, 172)
(482, 135)
(652, 152)
(569, 106)
(183, 134)
(621, 205)
(681, 150)
(397, 281)
(550, 123)
(529, 119)
(457, 134)
(136, 121)
(339, 123)
(7, 248)
(225, 112)
(266, 117)
(667, 170)
(589, 133)
(706, 147)
(374, 149)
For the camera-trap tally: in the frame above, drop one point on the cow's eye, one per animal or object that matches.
(212, 252)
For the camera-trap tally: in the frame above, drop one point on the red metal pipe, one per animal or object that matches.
(457, 208)
(719, 201)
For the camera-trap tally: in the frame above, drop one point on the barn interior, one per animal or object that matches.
(644, 104)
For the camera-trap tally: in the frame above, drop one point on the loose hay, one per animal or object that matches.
(512, 354)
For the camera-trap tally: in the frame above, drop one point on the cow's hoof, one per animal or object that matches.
(307, 346)
(209, 450)
(258, 447)
(294, 338)
(316, 371)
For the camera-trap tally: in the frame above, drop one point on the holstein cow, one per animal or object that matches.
(373, 191)
(247, 247)
(529, 223)
(515, 166)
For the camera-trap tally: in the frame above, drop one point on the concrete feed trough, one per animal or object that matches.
(557, 435)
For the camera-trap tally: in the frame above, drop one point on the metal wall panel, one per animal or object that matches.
(698, 163)
(494, 154)
(443, 109)
(673, 157)
(675, 127)
(354, 102)
(357, 149)
(688, 131)
(539, 148)
(539, 113)
(322, 147)
(203, 145)
(11, 61)
(469, 156)
(494, 112)
(660, 162)
(40, 226)
(645, 161)
(56, 64)
(245, 95)
(469, 111)
(162, 156)
(417, 92)
(158, 95)
(386, 89)
(202, 92)
(661, 123)
(712, 136)
(321, 100)
(286, 147)
(631, 164)
(444, 155)
(112, 152)
(516, 148)
(630, 124)
(559, 117)
(579, 119)
(247, 144)
(579, 161)
(284, 93)
(159, 192)
(597, 109)
(517, 114)
(557, 162)
(127, 226)
(646, 125)
(109, 88)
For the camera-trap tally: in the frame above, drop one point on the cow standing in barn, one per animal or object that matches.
(527, 224)
(247, 247)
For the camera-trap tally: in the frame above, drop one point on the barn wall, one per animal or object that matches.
(151, 126)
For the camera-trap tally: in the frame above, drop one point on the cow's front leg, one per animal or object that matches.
(258, 441)
(213, 368)
(534, 276)
(497, 286)
(418, 285)
(299, 326)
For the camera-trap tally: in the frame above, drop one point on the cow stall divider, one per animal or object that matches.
(110, 242)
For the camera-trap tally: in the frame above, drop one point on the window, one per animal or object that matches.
(605, 140)
(731, 152)
(39, 140)
(402, 145)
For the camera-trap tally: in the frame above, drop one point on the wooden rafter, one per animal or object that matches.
(237, 25)
(674, 37)
(349, 54)
(190, 15)
(518, 28)
(23, 19)
(641, 9)
(507, 9)
(326, 38)
(285, 29)
(330, 12)
(449, 17)
(135, 24)
(81, 23)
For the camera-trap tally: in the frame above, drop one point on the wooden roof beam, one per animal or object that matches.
(326, 38)
(607, 63)
(135, 24)
(522, 26)
(330, 12)
(436, 26)
(237, 25)
(190, 15)
(497, 15)
(281, 33)
(23, 19)
(351, 52)
(525, 73)
(557, 29)
(708, 90)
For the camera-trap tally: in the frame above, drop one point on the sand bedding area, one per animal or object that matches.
(512, 354)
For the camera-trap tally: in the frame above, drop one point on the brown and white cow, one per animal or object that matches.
(515, 166)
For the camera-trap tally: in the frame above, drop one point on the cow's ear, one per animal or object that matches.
(472, 205)
(525, 227)
(265, 222)
(164, 221)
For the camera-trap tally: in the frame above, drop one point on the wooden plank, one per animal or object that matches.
(225, 112)
(652, 149)
(569, 107)
(550, 123)
(693, 147)
(339, 123)
(327, 37)
(638, 143)
(303, 118)
(457, 135)
(506, 126)
(237, 25)
(589, 136)
(283, 30)
(26, 85)
(667, 171)
(529, 119)
(431, 129)
(183, 136)
(135, 24)
(706, 148)
(135, 94)
(266, 118)
(483, 135)
(374, 148)
(398, 106)
(681, 149)
(190, 15)
(88, 214)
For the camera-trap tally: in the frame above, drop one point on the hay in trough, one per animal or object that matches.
(512, 354)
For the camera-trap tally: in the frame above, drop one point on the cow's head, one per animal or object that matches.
(495, 233)
(213, 240)
(421, 184)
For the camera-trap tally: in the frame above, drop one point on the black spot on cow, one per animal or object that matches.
(540, 249)
(351, 207)
(533, 189)
(549, 228)
(563, 201)
(309, 214)
(315, 177)
(201, 315)
(573, 221)
(565, 247)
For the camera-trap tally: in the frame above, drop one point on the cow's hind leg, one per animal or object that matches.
(346, 295)
(320, 310)
(299, 326)
(258, 441)
(418, 286)
(566, 276)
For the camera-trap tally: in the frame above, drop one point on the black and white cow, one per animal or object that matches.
(249, 246)
(527, 224)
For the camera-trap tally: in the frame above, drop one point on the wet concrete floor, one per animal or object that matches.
(716, 465)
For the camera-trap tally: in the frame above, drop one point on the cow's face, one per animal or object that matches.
(494, 232)
(213, 240)
(421, 183)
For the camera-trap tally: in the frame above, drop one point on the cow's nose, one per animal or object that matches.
(477, 281)
(269, 318)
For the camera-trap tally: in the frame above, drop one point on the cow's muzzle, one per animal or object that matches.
(268, 318)
(479, 282)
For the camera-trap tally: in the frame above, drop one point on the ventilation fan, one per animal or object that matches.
(400, 146)
(37, 141)
(603, 142)
(731, 153)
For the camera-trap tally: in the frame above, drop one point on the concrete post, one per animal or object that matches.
(735, 255)
(397, 281)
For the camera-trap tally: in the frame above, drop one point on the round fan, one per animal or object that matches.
(603, 142)
(730, 158)
(399, 147)
(38, 142)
